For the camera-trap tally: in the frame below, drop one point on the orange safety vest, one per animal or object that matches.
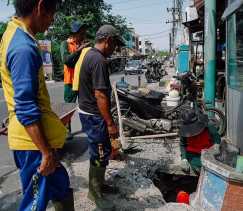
(69, 72)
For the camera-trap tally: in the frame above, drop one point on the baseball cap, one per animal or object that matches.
(109, 31)
(77, 25)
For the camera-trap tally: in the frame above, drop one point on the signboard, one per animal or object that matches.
(45, 46)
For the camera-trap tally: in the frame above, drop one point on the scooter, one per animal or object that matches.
(142, 114)
(155, 72)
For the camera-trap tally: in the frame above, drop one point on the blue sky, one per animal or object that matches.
(148, 17)
(5, 11)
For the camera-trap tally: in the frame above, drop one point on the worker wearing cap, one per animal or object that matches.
(196, 135)
(70, 52)
(93, 84)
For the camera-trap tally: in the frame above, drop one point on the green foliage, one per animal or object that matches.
(163, 53)
(58, 66)
(2, 30)
(92, 12)
(3, 27)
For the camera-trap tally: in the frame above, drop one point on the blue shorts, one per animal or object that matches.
(98, 138)
(37, 189)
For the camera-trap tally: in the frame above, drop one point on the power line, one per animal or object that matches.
(157, 38)
(139, 19)
(143, 23)
(127, 1)
(145, 5)
(176, 11)
(157, 33)
(123, 2)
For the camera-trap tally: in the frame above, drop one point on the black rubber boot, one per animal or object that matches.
(65, 204)
(107, 189)
(96, 180)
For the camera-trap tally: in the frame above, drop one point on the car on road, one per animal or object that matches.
(133, 67)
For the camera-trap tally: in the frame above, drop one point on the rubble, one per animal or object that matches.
(133, 176)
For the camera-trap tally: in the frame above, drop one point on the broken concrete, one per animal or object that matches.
(132, 176)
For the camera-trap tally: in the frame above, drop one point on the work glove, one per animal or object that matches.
(115, 147)
(185, 165)
(116, 144)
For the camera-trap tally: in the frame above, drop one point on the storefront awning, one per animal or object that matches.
(193, 26)
(232, 8)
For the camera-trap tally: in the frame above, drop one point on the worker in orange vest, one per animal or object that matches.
(70, 52)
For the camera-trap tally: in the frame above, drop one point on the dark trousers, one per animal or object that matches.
(99, 142)
(37, 189)
(70, 96)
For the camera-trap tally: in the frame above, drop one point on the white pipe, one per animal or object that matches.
(154, 136)
(122, 137)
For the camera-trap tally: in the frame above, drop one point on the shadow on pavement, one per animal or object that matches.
(74, 149)
(10, 202)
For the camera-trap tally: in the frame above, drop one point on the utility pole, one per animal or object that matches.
(176, 11)
(170, 43)
(210, 53)
(173, 25)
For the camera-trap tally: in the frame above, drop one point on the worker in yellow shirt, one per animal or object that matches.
(35, 133)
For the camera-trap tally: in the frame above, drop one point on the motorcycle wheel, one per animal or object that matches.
(124, 112)
(217, 118)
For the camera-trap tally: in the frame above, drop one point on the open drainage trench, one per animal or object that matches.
(170, 185)
(153, 158)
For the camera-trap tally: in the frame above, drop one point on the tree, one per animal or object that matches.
(163, 53)
(2, 30)
(92, 12)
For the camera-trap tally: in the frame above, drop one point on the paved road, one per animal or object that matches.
(9, 183)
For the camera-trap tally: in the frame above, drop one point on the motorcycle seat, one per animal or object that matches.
(152, 97)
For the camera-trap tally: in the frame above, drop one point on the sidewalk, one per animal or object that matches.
(132, 176)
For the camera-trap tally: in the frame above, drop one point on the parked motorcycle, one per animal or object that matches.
(155, 72)
(144, 114)
(192, 90)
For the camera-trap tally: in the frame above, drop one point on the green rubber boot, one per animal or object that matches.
(96, 180)
(107, 189)
(65, 204)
